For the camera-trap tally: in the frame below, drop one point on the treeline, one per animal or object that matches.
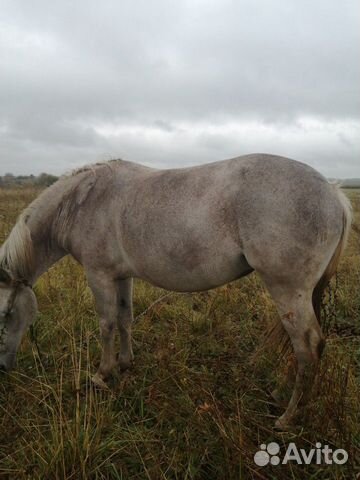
(46, 179)
(42, 180)
(351, 183)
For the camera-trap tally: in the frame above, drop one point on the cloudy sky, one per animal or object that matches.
(179, 82)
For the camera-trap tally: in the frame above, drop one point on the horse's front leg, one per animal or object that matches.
(124, 321)
(105, 291)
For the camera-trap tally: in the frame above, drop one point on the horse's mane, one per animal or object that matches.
(57, 206)
(16, 254)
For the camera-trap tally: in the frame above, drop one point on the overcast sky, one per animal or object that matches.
(173, 83)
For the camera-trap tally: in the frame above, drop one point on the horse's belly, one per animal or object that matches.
(183, 245)
(191, 276)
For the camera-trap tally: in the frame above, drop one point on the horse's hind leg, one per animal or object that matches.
(299, 320)
(124, 321)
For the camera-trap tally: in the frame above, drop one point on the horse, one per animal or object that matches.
(186, 230)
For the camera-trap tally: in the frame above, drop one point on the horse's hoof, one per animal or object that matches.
(282, 423)
(99, 382)
(124, 364)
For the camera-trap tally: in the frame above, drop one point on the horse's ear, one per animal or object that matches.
(4, 276)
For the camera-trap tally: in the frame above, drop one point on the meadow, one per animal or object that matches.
(196, 404)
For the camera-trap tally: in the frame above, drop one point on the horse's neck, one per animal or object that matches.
(45, 248)
(41, 236)
(42, 218)
(44, 258)
(29, 251)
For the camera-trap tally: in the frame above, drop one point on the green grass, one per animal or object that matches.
(195, 405)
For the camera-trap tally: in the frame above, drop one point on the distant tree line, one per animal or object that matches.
(46, 179)
(351, 183)
(42, 180)
(346, 182)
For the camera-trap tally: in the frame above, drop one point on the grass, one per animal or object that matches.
(195, 405)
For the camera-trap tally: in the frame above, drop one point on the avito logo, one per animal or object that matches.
(269, 454)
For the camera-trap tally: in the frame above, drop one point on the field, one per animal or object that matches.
(196, 404)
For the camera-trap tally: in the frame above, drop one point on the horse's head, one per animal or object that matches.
(18, 309)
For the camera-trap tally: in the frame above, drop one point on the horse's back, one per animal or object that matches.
(199, 225)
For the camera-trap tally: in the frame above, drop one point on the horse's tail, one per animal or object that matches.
(332, 265)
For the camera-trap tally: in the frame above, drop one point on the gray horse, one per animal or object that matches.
(188, 229)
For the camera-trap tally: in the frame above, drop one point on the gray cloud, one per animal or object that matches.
(176, 83)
